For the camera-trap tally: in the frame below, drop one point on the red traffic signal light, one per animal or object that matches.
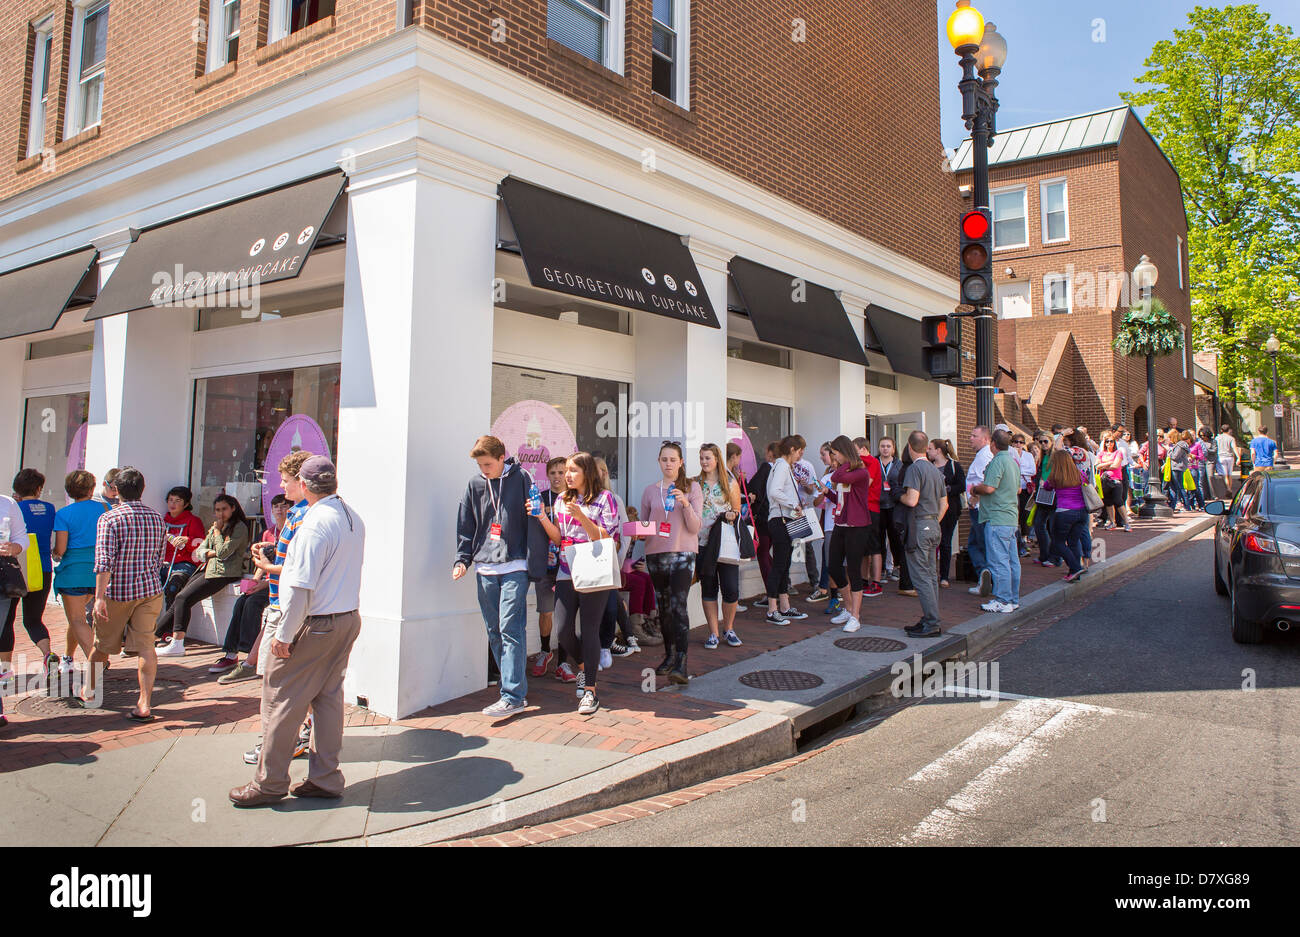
(976, 261)
(975, 225)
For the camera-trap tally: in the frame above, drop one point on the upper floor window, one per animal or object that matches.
(591, 27)
(1010, 214)
(1056, 223)
(40, 87)
(1180, 261)
(668, 73)
(223, 33)
(1056, 294)
(89, 50)
(1013, 300)
(289, 16)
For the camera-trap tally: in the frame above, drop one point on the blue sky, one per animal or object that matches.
(1055, 68)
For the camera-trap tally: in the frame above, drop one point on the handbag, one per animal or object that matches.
(729, 546)
(1189, 483)
(745, 538)
(594, 566)
(1091, 500)
(747, 519)
(1045, 496)
(13, 584)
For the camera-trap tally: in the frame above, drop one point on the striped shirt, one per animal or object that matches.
(292, 522)
(603, 512)
(129, 546)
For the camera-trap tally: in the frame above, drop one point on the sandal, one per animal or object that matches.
(138, 717)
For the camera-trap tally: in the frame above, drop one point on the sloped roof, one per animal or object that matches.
(1067, 135)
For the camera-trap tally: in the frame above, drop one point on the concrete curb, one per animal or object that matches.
(758, 740)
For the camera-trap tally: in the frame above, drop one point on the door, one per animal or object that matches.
(897, 426)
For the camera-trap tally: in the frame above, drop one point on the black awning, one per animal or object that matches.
(33, 297)
(220, 250)
(794, 313)
(900, 336)
(577, 248)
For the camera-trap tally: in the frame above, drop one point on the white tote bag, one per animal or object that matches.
(811, 514)
(728, 546)
(594, 566)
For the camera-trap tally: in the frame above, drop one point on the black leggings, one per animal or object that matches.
(574, 608)
(778, 577)
(246, 622)
(671, 574)
(728, 576)
(33, 608)
(848, 545)
(895, 537)
(609, 623)
(946, 526)
(177, 618)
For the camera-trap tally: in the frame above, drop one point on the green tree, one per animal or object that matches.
(1224, 99)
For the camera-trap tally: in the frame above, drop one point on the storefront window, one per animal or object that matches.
(63, 345)
(559, 307)
(540, 415)
(758, 353)
(54, 439)
(753, 426)
(236, 424)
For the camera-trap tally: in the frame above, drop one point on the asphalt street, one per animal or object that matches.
(1132, 720)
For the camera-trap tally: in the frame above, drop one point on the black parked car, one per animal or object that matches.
(1257, 554)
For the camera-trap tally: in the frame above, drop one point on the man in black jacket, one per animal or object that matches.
(759, 508)
(494, 527)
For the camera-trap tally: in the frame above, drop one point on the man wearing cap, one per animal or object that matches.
(313, 632)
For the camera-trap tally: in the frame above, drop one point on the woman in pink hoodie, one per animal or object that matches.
(673, 504)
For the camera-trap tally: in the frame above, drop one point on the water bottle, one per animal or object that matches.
(534, 499)
(5, 530)
(670, 501)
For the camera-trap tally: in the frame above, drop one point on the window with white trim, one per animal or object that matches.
(670, 45)
(1182, 329)
(1180, 261)
(87, 55)
(40, 86)
(289, 16)
(1056, 294)
(223, 33)
(1010, 218)
(1013, 301)
(593, 28)
(1053, 197)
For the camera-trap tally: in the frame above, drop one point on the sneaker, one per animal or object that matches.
(619, 649)
(775, 618)
(944, 584)
(711, 643)
(993, 606)
(606, 659)
(304, 731)
(842, 617)
(173, 648)
(851, 625)
(224, 665)
(732, 639)
(580, 683)
(503, 708)
(163, 641)
(65, 665)
(589, 704)
(741, 607)
(250, 756)
(872, 590)
(241, 672)
(1074, 577)
(911, 592)
(1011, 607)
(916, 628)
(833, 606)
(301, 747)
(564, 673)
(819, 595)
(793, 614)
(986, 582)
(540, 663)
(926, 631)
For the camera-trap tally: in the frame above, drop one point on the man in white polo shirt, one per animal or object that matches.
(320, 588)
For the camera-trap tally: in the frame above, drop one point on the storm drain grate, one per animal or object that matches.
(781, 680)
(871, 645)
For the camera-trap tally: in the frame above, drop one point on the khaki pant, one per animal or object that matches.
(130, 623)
(310, 677)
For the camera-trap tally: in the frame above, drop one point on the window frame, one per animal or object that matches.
(38, 105)
(218, 39)
(1043, 186)
(1180, 261)
(277, 26)
(615, 27)
(1048, 280)
(681, 32)
(75, 121)
(1024, 201)
(1000, 288)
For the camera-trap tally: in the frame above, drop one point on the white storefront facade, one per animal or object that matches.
(416, 332)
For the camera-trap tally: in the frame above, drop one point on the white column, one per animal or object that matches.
(140, 393)
(12, 353)
(416, 392)
(829, 394)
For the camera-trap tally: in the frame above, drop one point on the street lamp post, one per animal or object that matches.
(1273, 346)
(1154, 504)
(983, 52)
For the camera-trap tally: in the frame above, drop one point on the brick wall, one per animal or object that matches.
(810, 120)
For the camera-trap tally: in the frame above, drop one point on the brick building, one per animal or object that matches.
(384, 227)
(1076, 203)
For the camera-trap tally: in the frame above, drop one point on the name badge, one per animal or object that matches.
(494, 532)
(566, 542)
(665, 529)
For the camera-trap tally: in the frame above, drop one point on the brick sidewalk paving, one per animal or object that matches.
(189, 701)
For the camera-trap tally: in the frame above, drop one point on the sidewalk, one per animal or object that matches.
(89, 777)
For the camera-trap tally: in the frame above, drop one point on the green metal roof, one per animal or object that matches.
(1067, 135)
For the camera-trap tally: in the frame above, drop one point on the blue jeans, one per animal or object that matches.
(504, 603)
(1202, 495)
(1004, 562)
(975, 542)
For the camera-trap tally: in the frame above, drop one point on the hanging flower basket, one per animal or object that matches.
(1156, 334)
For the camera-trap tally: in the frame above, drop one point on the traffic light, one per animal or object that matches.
(976, 273)
(941, 352)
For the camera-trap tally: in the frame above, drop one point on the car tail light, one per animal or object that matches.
(1258, 543)
(1286, 548)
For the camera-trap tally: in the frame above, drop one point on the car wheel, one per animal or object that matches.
(1243, 631)
(1220, 586)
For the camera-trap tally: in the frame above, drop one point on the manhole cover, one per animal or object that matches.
(781, 680)
(120, 692)
(871, 645)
